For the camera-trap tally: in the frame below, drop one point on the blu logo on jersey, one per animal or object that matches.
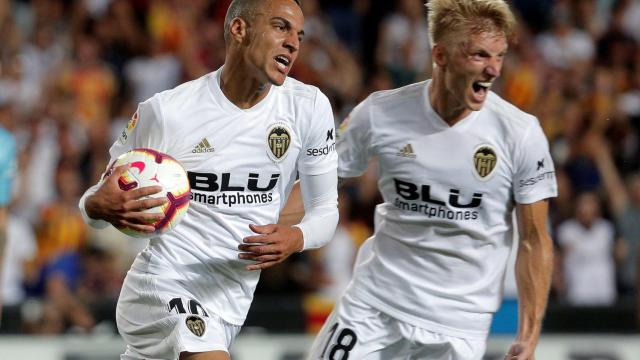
(217, 189)
(209, 182)
(411, 191)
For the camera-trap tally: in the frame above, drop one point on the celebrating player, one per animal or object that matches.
(242, 141)
(454, 159)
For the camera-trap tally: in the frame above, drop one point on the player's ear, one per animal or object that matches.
(439, 54)
(238, 29)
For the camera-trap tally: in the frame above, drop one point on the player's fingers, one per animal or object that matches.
(118, 170)
(257, 239)
(138, 227)
(258, 258)
(148, 203)
(263, 229)
(511, 356)
(258, 249)
(262, 265)
(145, 218)
(145, 191)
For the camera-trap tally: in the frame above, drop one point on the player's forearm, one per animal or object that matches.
(533, 275)
(320, 196)
(293, 211)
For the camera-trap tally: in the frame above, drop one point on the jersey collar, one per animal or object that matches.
(437, 120)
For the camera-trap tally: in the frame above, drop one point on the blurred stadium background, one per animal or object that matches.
(72, 72)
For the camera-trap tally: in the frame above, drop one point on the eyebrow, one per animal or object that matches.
(287, 23)
(486, 52)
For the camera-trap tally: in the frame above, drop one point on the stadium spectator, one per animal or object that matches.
(587, 243)
(564, 46)
(7, 173)
(54, 274)
(624, 202)
(20, 249)
(404, 47)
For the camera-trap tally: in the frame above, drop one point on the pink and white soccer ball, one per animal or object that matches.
(148, 167)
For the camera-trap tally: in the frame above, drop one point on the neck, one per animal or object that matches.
(443, 102)
(240, 87)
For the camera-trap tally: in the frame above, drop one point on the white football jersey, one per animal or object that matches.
(241, 166)
(444, 231)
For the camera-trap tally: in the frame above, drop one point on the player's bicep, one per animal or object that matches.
(532, 223)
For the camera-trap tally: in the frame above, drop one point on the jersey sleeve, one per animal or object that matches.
(319, 146)
(144, 130)
(7, 167)
(535, 177)
(354, 140)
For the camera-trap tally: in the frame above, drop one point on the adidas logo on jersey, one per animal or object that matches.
(203, 147)
(407, 152)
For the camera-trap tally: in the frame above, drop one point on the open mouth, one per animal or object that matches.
(481, 87)
(283, 62)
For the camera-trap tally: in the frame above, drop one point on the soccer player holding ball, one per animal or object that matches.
(455, 160)
(242, 133)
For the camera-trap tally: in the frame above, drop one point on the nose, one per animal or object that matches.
(494, 67)
(292, 42)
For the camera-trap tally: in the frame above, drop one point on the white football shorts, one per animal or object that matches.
(356, 331)
(158, 319)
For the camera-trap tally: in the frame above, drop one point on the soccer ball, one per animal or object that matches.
(148, 167)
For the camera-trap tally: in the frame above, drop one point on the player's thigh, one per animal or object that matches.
(210, 355)
(355, 331)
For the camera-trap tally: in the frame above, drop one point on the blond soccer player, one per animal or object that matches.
(455, 160)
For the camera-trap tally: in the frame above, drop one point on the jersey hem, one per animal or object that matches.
(141, 266)
(374, 302)
(526, 200)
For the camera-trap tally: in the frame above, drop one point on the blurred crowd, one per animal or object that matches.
(73, 71)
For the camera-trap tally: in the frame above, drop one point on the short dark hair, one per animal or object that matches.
(245, 9)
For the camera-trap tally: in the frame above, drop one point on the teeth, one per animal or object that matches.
(283, 60)
(484, 84)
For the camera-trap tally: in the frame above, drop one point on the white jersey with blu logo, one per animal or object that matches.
(444, 231)
(241, 166)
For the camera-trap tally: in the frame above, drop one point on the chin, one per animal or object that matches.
(473, 106)
(277, 79)
(277, 82)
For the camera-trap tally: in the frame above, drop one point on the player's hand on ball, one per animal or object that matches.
(520, 350)
(271, 246)
(124, 208)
